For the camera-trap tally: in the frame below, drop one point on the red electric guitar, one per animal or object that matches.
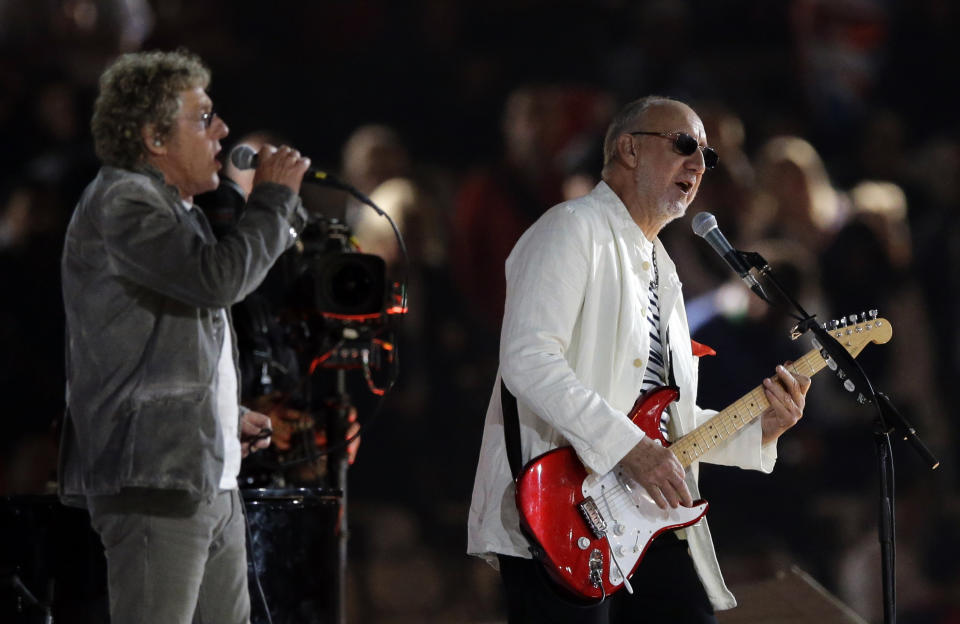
(593, 530)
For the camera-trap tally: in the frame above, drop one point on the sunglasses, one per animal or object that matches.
(686, 145)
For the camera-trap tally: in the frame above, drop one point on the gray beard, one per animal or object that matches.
(670, 212)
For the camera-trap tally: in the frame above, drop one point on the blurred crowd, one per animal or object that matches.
(839, 163)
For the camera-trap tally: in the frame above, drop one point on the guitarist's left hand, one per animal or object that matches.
(787, 395)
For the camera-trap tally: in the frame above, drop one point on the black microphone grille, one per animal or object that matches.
(703, 222)
(243, 157)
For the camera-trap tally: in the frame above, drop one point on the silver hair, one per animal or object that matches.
(625, 120)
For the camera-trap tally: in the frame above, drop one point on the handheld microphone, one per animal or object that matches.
(244, 157)
(705, 226)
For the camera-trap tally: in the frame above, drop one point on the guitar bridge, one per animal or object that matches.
(591, 513)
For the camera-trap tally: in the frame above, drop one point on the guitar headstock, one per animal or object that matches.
(854, 332)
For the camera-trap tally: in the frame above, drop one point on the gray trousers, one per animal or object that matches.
(173, 562)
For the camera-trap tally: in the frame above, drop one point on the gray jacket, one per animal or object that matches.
(144, 283)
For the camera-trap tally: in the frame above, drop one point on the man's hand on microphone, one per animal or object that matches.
(284, 166)
(659, 472)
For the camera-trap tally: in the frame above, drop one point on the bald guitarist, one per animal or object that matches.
(594, 314)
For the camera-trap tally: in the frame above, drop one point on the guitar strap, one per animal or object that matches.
(668, 359)
(511, 429)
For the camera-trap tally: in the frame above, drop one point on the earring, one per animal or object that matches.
(157, 141)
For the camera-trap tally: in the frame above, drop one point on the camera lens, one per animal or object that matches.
(350, 284)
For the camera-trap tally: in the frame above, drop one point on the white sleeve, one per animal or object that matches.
(743, 450)
(547, 275)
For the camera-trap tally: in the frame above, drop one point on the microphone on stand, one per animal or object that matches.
(705, 226)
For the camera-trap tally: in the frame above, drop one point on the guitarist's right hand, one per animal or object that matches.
(659, 472)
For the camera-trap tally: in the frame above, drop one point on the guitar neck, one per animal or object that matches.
(738, 415)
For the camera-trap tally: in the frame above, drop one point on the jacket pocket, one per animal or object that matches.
(177, 443)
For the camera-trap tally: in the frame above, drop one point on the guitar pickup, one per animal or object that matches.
(591, 513)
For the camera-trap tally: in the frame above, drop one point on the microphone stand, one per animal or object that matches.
(888, 421)
(337, 466)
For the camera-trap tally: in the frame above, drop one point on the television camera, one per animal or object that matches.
(340, 299)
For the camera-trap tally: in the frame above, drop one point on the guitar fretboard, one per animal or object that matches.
(738, 415)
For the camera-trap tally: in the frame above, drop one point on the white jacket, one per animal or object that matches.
(573, 351)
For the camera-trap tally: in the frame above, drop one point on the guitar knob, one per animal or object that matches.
(583, 543)
(618, 529)
(621, 552)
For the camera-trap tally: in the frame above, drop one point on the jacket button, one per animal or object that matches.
(645, 265)
(638, 363)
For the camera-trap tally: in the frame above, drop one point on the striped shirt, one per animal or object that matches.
(655, 374)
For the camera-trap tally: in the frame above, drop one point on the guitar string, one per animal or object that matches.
(702, 442)
(809, 364)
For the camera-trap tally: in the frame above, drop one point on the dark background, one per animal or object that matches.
(870, 85)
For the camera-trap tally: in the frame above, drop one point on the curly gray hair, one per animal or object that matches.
(137, 89)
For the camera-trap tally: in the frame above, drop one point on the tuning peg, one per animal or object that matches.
(853, 319)
(834, 324)
(843, 322)
(831, 364)
(841, 374)
(816, 344)
(848, 386)
(873, 315)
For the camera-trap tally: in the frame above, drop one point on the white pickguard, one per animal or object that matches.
(632, 517)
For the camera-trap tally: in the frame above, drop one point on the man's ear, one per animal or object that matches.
(627, 149)
(152, 140)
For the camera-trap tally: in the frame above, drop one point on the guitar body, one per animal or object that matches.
(582, 522)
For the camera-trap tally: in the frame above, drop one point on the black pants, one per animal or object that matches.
(666, 590)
